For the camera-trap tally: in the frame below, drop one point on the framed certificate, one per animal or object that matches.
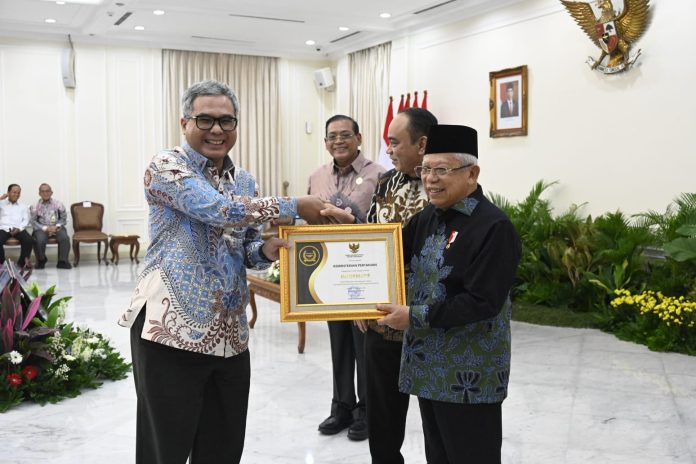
(340, 272)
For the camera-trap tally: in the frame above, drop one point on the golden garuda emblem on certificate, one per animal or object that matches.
(613, 32)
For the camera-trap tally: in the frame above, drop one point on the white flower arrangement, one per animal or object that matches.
(16, 357)
(273, 274)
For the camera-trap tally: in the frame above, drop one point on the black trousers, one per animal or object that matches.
(386, 406)
(347, 350)
(189, 404)
(25, 243)
(461, 433)
(41, 238)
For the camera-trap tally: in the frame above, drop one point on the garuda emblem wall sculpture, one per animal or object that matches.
(613, 33)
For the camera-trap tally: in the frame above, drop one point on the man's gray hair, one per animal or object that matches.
(466, 158)
(207, 88)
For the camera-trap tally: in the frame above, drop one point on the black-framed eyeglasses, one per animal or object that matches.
(227, 123)
(422, 171)
(342, 136)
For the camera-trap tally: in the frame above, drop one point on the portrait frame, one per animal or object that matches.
(508, 115)
(386, 271)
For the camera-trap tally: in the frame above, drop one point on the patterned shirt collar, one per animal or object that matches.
(408, 178)
(468, 204)
(202, 162)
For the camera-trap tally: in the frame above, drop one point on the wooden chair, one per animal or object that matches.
(87, 219)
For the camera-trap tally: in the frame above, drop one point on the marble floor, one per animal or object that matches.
(576, 396)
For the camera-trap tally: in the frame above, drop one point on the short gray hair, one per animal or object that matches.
(204, 89)
(466, 158)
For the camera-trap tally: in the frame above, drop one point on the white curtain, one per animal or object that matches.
(255, 81)
(369, 94)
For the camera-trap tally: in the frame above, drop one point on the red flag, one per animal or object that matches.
(424, 105)
(408, 101)
(401, 104)
(415, 99)
(387, 121)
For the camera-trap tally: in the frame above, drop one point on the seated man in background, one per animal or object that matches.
(49, 219)
(14, 219)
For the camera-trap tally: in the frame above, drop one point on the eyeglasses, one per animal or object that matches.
(227, 123)
(422, 171)
(342, 136)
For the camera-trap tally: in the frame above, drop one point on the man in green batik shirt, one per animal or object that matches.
(461, 254)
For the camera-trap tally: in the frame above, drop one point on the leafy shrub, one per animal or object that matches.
(42, 358)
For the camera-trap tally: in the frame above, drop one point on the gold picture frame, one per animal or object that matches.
(340, 272)
(508, 102)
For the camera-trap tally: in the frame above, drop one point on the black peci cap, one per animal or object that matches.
(452, 139)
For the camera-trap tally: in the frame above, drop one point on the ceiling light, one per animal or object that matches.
(50, 20)
(310, 42)
(385, 15)
(158, 12)
(139, 28)
(60, 3)
(343, 28)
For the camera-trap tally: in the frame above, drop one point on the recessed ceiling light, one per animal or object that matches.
(343, 28)
(385, 15)
(60, 3)
(310, 42)
(158, 12)
(50, 20)
(139, 28)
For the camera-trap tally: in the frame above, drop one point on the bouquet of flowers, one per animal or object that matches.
(42, 358)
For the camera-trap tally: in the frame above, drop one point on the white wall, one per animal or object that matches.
(303, 103)
(625, 141)
(617, 142)
(90, 143)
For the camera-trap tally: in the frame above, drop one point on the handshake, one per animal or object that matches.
(314, 210)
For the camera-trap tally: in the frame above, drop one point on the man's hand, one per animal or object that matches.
(14, 231)
(309, 208)
(336, 214)
(398, 316)
(51, 231)
(3, 196)
(272, 246)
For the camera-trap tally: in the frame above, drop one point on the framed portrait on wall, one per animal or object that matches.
(508, 102)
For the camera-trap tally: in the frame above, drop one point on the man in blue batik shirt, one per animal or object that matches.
(189, 330)
(462, 253)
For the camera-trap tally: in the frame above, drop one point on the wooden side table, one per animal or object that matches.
(271, 291)
(132, 240)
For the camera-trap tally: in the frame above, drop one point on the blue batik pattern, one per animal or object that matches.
(467, 364)
(205, 231)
